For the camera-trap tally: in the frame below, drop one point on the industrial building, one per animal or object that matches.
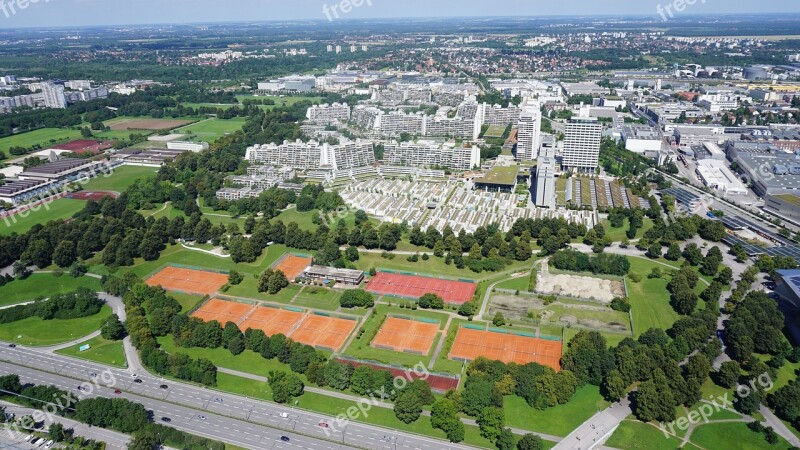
(768, 168)
(716, 175)
(641, 139)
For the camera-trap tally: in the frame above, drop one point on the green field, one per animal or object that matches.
(119, 179)
(249, 289)
(188, 301)
(634, 435)
(287, 100)
(43, 285)
(316, 297)
(212, 129)
(732, 436)
(102, 351)
(515, 284)
(649, 299)
(400, 262)
(559, 420)
(45, 137)
(34, 331)
(619, 234)
(59, 209)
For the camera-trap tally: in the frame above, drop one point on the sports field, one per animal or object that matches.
(44, 137)
(119, 179)
(403, 335)
(319, 331)
(147, 124)
(96, 196)
(470, 344)
(415, 286)
(292, 266)
(187, 280)
(212, 129)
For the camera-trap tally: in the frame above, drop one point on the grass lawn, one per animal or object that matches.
(212, 129)
(619, 234)
(102, 351)
(248, 288)
(286, 100)
(43, 285)
(515, 284)
(559, 420)
(302, 219)
(434, 266)
(49, 211)
(34, 331)
(612, 339)
(732, 436)
(119, 179)
(188, 301)
(45, 137)
(649, 298)
(635, 435)
(316, 297)
(248, 361)
(170, 212)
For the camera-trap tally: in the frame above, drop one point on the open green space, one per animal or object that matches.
(45, 137)
(49, 211)
(187, 301)
(559, 420)
(432, 267)
(101, 350)
(649, 298)
(210, 130)
(43, 285)
(732, 436)
(635, 435)
(34, 331)
(302, 219)
(170, 212)
(119, 179)
(516, 284)
(285, 100)
(619, 234)
(247, 362)
(316, 297)
(248, 288)
(612, 339)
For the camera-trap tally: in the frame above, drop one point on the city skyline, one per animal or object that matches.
(78, 13)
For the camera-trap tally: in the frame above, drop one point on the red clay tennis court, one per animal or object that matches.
(223, 311)
(323, 331)
(292, 266)
(403, 335)
(414, 286)
(188, 280)
(272, 321)
(470, 344)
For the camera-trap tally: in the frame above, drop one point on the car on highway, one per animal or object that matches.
(138, 381)
(285, 438)
(92, 375)
(323, 425)
(117, 391)
(12, 345)
(166, 419)
(164, 386)
(133, 375)
(201, 417)
(284, 415)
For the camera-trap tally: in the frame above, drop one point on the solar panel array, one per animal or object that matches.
(683, 196)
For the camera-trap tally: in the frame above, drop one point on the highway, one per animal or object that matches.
(226, 417)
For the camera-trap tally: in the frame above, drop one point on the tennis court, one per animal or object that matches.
(470, 344)
(323, 331)
(415, 286)
(403, 335)
(272, 321)
(292, 266)
(188, 280)
(223, 311)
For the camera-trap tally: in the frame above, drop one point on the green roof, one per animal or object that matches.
(789, 198)
(500, 175)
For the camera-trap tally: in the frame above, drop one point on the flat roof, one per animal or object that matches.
(333, 272)
(500, 175)
(57, 167)
(789, 198)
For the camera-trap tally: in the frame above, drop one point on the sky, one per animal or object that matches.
(50, 13)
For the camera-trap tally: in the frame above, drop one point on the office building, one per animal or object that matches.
(582, 143)
(529, 135)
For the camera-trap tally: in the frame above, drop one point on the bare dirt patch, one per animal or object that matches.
(579, 286)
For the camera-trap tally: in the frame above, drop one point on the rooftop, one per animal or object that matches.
(500, 175)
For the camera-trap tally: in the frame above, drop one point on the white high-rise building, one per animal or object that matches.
(54, 96)
(582, 144)
(529, 132)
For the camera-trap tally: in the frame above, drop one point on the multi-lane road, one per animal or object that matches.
(230, 418)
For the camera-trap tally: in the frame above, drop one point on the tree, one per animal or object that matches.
(614, 386)
(444, 416)
(654, 400)
(357, 298)
(506, 440)
(431, 301)
(654, 251)
(285, 386)
(407, 407)
(498, 320)
(491, 422)
(673, 253)
(351, 254)
(112, 329)
(728, 374)
(277, 281)
(530, 442)
(64, 254)
(234, 278)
